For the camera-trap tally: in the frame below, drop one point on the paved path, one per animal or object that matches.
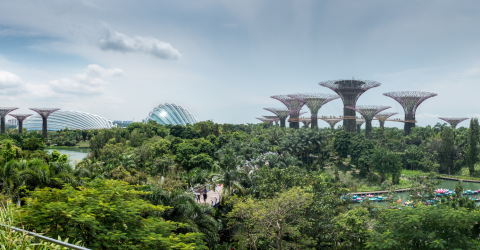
(211, 195)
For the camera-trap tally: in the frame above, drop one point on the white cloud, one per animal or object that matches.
(116, 41)
(9, 83)
(90, 82)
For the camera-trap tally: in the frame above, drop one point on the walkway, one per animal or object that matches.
(213, 197)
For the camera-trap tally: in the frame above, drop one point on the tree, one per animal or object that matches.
(472, 147)
(352, 228)
(278, 220)
(105, 214)
(384, 162)
(426, 227)
(341, 143)
(448, 147)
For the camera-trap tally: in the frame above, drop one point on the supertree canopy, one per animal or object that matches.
(349, 91)
(331, 122)
(306, 122)
(382, 117)
(44, 113)
(410, 100)
(20, 118)
(314, 102)
(368, 112)
(294, 105)
(3, 113)
(453, 121)
(282, 114)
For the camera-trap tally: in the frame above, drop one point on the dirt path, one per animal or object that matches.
(213, 197)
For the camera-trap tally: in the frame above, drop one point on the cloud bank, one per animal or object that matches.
(116, 41)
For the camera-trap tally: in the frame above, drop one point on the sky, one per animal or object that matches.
(223, 59)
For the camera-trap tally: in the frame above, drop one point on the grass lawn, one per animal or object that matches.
(84, 144)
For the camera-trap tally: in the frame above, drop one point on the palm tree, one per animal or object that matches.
(184, 209)
(230, 173)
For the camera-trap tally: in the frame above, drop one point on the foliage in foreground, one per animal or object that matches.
(105, 214)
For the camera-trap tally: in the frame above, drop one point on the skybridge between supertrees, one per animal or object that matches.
(382, 117)
(294, 105)
(44, 113)
(282, 114)
(3, 113)
(368, 112)
(331, 122)
(359, 124)
(20, 118)
(349, 91)
(315, 101)
(453, 121)
(410, 100)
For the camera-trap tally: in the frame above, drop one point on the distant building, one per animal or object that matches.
(68, 119)
(12, 122)
(122, 123)
(171, 113)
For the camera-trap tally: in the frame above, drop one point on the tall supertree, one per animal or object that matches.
(294, 105)
(314, 102)
(44, 113)
(331, 122)
(410, 100)
(359, 124)
(368, 112)
(3, 113)
(349, 91)
(453, 121)
(382, 117)
(282, 114)
(20, 118)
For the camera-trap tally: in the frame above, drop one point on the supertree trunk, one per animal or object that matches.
(368, 129)
(359, 128)
(349, 124)
(382, 124)
(282, 122)
(20, 127)
(409, 125)
(3, 124)
(44, 127)
(314, 121)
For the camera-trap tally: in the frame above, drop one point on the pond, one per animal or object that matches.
(405, 196)
(74, 154)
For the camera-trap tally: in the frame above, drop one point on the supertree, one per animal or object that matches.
(265, 120)
(349, 91)
(294, 105)
(410, 100)
(382, 117)
(3, 113)
(274, 118)
(359, 124)
(306, 122)
(314, 102)
(44, 113)
(282, 114)
(368, 112)
(453, 121)
(20, 118)
(331, 122)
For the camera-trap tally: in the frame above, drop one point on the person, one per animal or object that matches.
(204, 197)
(198, 197)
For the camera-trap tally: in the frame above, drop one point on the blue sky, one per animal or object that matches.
(223, 59)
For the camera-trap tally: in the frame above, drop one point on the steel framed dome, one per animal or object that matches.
(171, 113)
(68, 119)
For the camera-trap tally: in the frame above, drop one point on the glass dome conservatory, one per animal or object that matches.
(170, 113)
(67, 119)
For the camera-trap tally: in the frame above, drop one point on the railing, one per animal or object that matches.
(39, 237)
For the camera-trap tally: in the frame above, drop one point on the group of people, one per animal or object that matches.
(204, 193)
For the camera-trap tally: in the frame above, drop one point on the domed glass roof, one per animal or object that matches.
(67, 119)
(170, 113)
